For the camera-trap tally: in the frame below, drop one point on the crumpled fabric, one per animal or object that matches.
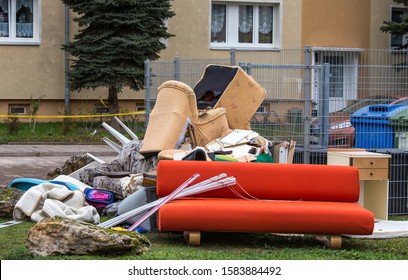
(128, 160)
(48, 200)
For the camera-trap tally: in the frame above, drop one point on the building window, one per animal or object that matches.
(18, 109)
(252, 25)
(397, 15)
(261, 109)
(20, 22)
(99, 109)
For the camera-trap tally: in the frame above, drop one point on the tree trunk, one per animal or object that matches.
(113, 105)
(113, 100)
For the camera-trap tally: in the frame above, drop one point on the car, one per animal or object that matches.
(340, 129)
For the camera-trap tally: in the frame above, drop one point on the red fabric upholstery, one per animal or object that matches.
(225, 214)
(290, 198)
(266, 180)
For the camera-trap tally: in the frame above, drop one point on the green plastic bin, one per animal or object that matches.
(400, 124)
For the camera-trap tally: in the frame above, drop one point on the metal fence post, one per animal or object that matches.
(177, 68)
(307, 91)
(233, 57)
(148, 83)
(249, 68)
(324, 131)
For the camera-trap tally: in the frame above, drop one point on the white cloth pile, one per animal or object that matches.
(48, 200)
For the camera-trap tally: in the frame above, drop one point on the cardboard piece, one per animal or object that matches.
(241, 99)
(239, 93)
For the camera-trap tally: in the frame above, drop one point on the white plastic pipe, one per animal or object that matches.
(213, 183)
(167, 199)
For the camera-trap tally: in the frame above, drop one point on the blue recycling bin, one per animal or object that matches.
(372, 126)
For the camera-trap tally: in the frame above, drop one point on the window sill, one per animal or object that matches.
(20, 43)
(246, 48)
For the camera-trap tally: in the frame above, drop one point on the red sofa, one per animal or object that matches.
(286, 198)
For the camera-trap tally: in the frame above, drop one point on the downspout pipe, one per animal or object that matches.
(66, 93)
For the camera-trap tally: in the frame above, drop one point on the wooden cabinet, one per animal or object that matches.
(373, 171)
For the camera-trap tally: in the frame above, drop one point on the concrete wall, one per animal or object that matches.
(36, 70)
(191, 26)
(331, 23)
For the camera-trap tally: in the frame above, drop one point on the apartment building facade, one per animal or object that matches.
(33, 65)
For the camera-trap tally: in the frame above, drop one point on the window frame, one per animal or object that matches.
(404, 37)
(37, 19)
(232, 14)
(12, 107)
(101, 110)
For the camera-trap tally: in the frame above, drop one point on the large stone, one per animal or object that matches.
(72, 164)
(8, 199)
(58, 236)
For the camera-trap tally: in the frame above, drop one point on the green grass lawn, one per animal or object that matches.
(172, 246)
(225, 246)
(71, 131)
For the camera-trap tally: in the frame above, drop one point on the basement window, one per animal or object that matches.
(18, 109)
(101, 109)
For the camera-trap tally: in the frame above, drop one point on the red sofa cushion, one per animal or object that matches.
(308, 182)
(238, 215)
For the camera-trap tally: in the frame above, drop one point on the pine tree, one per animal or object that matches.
(114, 39)
(397, 29)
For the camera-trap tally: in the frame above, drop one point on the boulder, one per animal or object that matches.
(58, 236)
(8, 199)
(72, 164)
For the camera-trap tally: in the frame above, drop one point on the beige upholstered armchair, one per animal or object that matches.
(175, 109)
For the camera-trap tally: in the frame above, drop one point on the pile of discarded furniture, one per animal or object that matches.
(201, 168)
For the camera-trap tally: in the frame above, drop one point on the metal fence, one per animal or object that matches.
(321, 98)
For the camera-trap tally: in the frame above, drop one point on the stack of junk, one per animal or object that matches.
(208, 123)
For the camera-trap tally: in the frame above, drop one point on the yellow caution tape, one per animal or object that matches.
(71, 116)
(103, 103)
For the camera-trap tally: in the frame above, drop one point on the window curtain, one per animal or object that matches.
(3, 5)
(245, 24)
(24, 18)
(25, 3)
(265, 24)
(4, 26)
(218, 18)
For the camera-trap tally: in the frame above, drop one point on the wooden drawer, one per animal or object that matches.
(370, 162)
(373, 173)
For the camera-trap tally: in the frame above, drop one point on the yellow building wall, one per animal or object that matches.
(332, 23)
(191, 26)
(38, 72)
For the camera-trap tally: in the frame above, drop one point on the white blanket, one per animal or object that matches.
(49, 200)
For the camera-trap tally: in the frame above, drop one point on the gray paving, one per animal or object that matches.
(35, 161)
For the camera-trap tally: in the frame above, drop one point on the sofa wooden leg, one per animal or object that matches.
(193, 237)
(331, 241)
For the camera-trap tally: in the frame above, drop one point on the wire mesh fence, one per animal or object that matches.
(322, 98)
